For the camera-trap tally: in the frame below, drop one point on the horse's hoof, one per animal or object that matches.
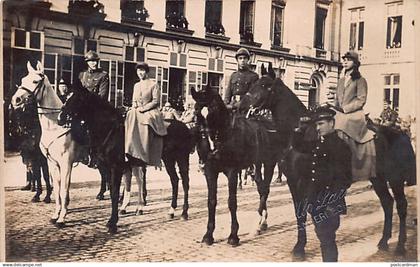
(299, 254)
(60, 225)
(383, 245)
(209, 240)
(400, 250)
(233, 241)
(100, 196)
(184, 216)
(47, 199)
(123, 212)
(264, 227)
(240, 187)
(36, 199)
(139, 212)
(112, 229)
(170, 216)
(53, 221)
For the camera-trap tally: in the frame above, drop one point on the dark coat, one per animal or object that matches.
(96, 82)
(330, 163)
(239, 84)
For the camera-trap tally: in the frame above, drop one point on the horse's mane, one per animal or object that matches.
(95, 102)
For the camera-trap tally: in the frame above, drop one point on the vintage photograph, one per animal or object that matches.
(209, 130)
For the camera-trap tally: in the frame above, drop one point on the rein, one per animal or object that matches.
(35, 94)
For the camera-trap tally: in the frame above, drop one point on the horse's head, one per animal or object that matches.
(76, 106)
(261, 94)
(31, 87)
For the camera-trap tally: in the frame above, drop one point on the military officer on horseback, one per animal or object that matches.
(240, 81)
(96, 81)
(327, 179)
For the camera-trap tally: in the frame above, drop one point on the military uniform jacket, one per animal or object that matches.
(96, 81)
(239, 84)
(329, 164)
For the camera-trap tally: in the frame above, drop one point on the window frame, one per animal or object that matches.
(27, 39)
(242, 20)
(392, 91)
(316, 45)
(356, 40)
(279, 5)
(85, 45)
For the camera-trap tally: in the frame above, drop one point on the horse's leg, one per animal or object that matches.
(260, 189)
(140, 178)
(381, 189)
(183, 164)
(36, 174)
(115, 174)
(400, 199)
(57, 184)
(46, 175)
(173, 176)
(233, 238)
(268, 176)
(127, 192)
(211, 179)
(65, 173)
(104, 172)
(239, 175)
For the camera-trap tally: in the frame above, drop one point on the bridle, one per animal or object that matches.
(39, 88)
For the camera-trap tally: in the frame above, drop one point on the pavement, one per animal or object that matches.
(152, 237)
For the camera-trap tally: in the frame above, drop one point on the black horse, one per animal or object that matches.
(106, 127)
(395, 160)
(238, 143)
(26, 129)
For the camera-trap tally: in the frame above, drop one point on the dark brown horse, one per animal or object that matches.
(395, 160)
(238, 143)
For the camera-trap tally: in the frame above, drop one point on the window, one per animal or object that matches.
(27, 40)
(81, 46)
(246, 23)
(175, 14)
(320, 17)
(133, 10)
(277, 9)
(134, 54)
(357, 26)
(213, 19)
(178, 59)
(216, 65)
(392, 90)
(394, 25)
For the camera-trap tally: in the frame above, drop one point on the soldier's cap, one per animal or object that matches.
(322, 113)
(242, 52)
(62, 82)
(91, 56)
(352, 55)
(142, 65)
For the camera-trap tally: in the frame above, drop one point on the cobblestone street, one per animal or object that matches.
(154, 237)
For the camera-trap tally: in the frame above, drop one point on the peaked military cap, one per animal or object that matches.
(242, 52)
(91, 56)
(322, 113)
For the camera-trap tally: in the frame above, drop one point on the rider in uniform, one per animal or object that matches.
(326, 179)
(240, 81)
(96, 81)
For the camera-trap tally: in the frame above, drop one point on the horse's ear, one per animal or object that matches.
(271, 72)
(263, 70)
(29, 67)
(39, 67)
(193, 93)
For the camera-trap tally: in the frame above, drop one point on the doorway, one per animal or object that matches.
(177, 87)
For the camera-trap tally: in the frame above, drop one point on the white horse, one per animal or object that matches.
(57, 143)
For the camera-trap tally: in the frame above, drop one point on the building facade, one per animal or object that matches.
(383, 33)
(187, 43)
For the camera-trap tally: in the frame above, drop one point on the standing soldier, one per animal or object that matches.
(326, 180)
(388, 116)
(240, 81)
(96, 81)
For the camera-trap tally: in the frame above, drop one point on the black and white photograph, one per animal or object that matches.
(212, 131)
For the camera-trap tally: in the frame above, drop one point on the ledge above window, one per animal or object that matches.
(255, 44)
(179, 30)
(280, 48)
(217, 37)
(143, 24)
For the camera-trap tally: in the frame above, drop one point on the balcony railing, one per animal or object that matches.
(215, 27)
(176, 20)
